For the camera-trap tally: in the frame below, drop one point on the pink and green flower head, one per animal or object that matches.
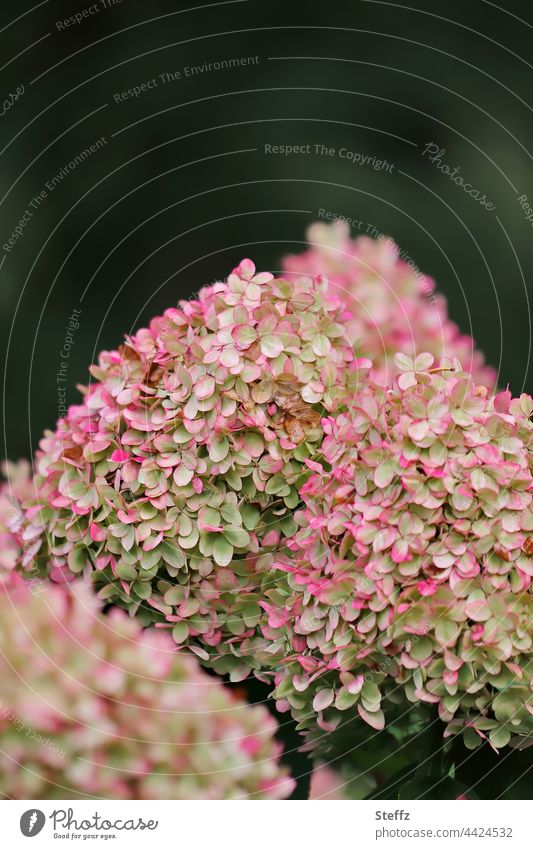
(411, 572)
(179, 473)
(391, 307)
(94, 707)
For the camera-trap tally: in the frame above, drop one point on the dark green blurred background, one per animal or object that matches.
(185, 189)
(181, 188)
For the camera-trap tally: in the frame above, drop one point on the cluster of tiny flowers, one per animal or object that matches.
(412, 568)
(17, 488)
(93, 706)
(240, 426)
(180, 471)
(394, 308)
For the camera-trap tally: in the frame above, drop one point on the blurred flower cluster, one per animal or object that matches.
(393, 306)
(93, 706)
(412, 567)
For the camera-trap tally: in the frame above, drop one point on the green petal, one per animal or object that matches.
(172, 554)
(222, 551)
(237, 537)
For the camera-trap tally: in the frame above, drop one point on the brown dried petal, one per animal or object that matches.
(527, 548)
(128, 353)
(295, 430)
(253, 352)
(153, 374)
(73, 453)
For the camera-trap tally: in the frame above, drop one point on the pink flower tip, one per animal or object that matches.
(119, 456)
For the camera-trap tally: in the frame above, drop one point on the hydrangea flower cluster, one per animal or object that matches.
(17, 488)
(412, 568)
(93, 706)
(180, 470)
(241, 425)
(394, 308)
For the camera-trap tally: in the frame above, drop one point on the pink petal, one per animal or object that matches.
(97, 532)
(119, 456)
(502, 401)
(204, 387)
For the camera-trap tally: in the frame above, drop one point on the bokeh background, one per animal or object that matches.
(181, 185)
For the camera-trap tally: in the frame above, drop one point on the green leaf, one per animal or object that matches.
(149, 559)
(190, 540)
(422, 649)
(345, 699)
(234, 480)
(183, 475)
(271, 346)
(370, 692)
(277, 485)
(446, 632)
(126, 571)
(180, 632)
(505, 706)
(471, 739)
(323, 699)
(78, 558)
(142, 589)
(77, 489)
(375, 718)
(231, 514)
(209, 516)
(251, 614)
(499, 737)
(384, 474)
(254, 444)
(283, 689)
(171, 554)
(222, 551)
(321, 345)
(174, 595)
(219, 449)
(292, 500)
(244, 335)
(181, 435)
(235, 626)
(237, 536)
(250, 516)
